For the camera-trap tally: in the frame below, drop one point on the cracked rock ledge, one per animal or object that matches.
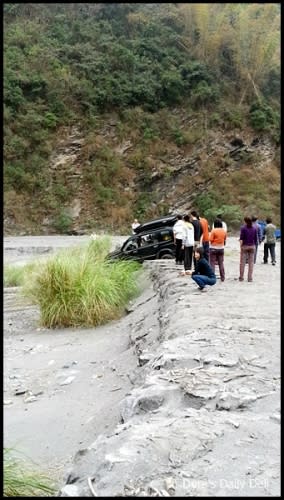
(202, 418)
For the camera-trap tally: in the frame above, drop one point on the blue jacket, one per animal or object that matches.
(259, 231)
(202, 267)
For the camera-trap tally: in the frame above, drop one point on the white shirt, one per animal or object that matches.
(189, 235)
(179, 230)
(134, 225)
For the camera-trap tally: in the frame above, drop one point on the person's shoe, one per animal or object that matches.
(241, 279)
(273, 263)
(250, 281)
(264, 262)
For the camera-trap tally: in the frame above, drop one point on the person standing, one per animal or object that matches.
(203, 274)
(205, 236)
(224, 225)
(270, 241)
(134, 225)
(188, 244)
(218, 237)
(248, 240)
(259, 235)
(197, 230)
(179, 231)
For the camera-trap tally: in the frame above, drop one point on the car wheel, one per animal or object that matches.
(166, 256)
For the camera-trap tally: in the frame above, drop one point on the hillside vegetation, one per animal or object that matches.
(119, 110)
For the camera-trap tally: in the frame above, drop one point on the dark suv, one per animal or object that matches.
(168, 220)
(156, 243)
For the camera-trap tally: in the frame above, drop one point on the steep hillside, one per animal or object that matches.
(114, 111)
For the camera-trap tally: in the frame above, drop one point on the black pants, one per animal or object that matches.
(179, 252)
(188, 251)
(205, 245)
(271, 248)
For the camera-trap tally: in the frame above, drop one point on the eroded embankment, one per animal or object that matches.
(202, 417)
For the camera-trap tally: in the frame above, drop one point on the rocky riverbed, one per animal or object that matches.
(179, 397)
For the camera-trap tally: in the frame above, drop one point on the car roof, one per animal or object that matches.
(168, 220)
(152, 230)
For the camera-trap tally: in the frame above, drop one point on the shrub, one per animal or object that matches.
(80, 287)
(179, 137)
(271, 85)
(258, 120)
(193, 135)
(15, 275)
(50, 120)
(204, 94)
(149, 133)
(235, 117)
(63, 222)
(61, 194)
(142, 204)
(231, 214)
(262, 116)
(15, 176)
(205, 203)
(215, 119)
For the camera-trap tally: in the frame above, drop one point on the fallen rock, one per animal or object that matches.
(19, 392)
(67, 381)
(70, 490)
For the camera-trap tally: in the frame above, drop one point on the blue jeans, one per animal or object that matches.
(201, 280)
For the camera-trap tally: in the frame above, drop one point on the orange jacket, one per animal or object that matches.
(205, 229)
(218, 237)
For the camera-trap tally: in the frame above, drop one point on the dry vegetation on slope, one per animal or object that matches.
(133, 111)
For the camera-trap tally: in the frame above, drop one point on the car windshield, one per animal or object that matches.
(130, 245)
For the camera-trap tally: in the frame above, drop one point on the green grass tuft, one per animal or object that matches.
(20, 480)
(15, 275)
(78, 287)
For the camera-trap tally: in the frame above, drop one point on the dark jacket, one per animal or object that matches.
(258, 230)
(197, 229)
(202, 267)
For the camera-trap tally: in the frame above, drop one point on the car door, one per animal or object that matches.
(130, 249)
(166, 245)
(149, 245)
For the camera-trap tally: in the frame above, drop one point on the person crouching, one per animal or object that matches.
(203, 274)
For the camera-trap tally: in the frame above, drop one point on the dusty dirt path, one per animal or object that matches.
(206, 439)
(60, 386)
